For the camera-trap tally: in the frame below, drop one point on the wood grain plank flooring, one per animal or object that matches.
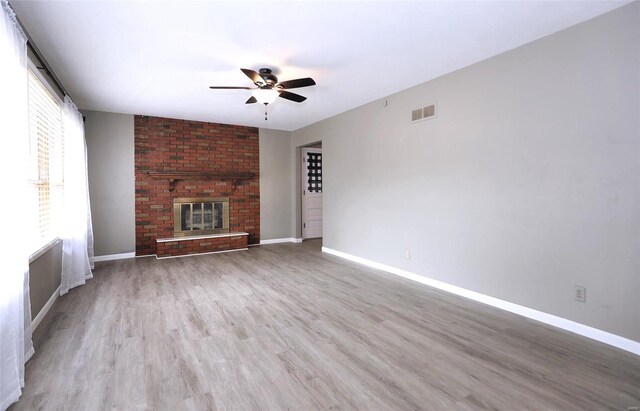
(285, 327)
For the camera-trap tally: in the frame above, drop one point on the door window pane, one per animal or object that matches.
(314, 172)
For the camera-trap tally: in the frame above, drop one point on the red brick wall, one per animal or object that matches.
(184, 247)
(163, 144)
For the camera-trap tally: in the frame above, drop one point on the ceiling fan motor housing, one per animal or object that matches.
(269, 79)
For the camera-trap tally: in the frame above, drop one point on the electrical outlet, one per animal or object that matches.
(407, 254)
(580, 293)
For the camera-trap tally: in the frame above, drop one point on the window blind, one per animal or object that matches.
(46, 155)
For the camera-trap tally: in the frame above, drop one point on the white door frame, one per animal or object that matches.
(311, 202)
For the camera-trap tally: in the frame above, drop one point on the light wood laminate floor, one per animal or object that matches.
(287, 327)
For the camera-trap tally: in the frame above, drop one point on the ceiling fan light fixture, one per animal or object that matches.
(265, 96)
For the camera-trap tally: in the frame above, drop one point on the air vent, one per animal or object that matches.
(424, 113)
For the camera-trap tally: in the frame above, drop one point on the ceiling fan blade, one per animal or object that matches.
(251, 100)
(230, 88)
(297, 83)
(255, 77)
(292, 96)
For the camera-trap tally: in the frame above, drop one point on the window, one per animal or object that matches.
(314, 172)
(45, 161)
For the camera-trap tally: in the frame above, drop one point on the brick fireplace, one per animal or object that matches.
(177, 159)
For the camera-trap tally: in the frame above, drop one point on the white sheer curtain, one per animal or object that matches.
(15, 308)
(77, 230)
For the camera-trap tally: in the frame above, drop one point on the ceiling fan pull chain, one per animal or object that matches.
(265, 111)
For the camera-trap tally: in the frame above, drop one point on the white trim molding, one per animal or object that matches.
(44, 249)
(280, 240)
(43, 312)
(110, 257)
(550, 319)
(297, 240)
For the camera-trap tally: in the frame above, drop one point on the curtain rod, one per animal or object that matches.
(44, 67)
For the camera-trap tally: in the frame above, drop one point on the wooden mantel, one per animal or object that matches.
(173, 176)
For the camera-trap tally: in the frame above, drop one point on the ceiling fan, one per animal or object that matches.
(268, 88)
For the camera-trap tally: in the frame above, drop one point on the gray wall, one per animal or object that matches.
(44, 277)
(111, 181)
(275, 184)
(110, 146)
(526, 184)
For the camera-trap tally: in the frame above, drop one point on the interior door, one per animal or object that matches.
(311, 192)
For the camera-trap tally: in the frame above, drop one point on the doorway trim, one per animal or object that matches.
(311, 203)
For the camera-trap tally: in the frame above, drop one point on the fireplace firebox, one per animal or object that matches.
(199, 216)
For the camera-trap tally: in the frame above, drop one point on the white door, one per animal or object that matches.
(311, 192)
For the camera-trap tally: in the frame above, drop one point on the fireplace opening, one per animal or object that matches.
(198, 216)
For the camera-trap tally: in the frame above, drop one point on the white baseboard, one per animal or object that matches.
(36, 321)
(280, 240)
(110, 257)
(563, 323)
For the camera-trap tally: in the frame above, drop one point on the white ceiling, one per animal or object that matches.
(158, 58)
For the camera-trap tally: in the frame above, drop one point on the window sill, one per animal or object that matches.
(44, 249)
